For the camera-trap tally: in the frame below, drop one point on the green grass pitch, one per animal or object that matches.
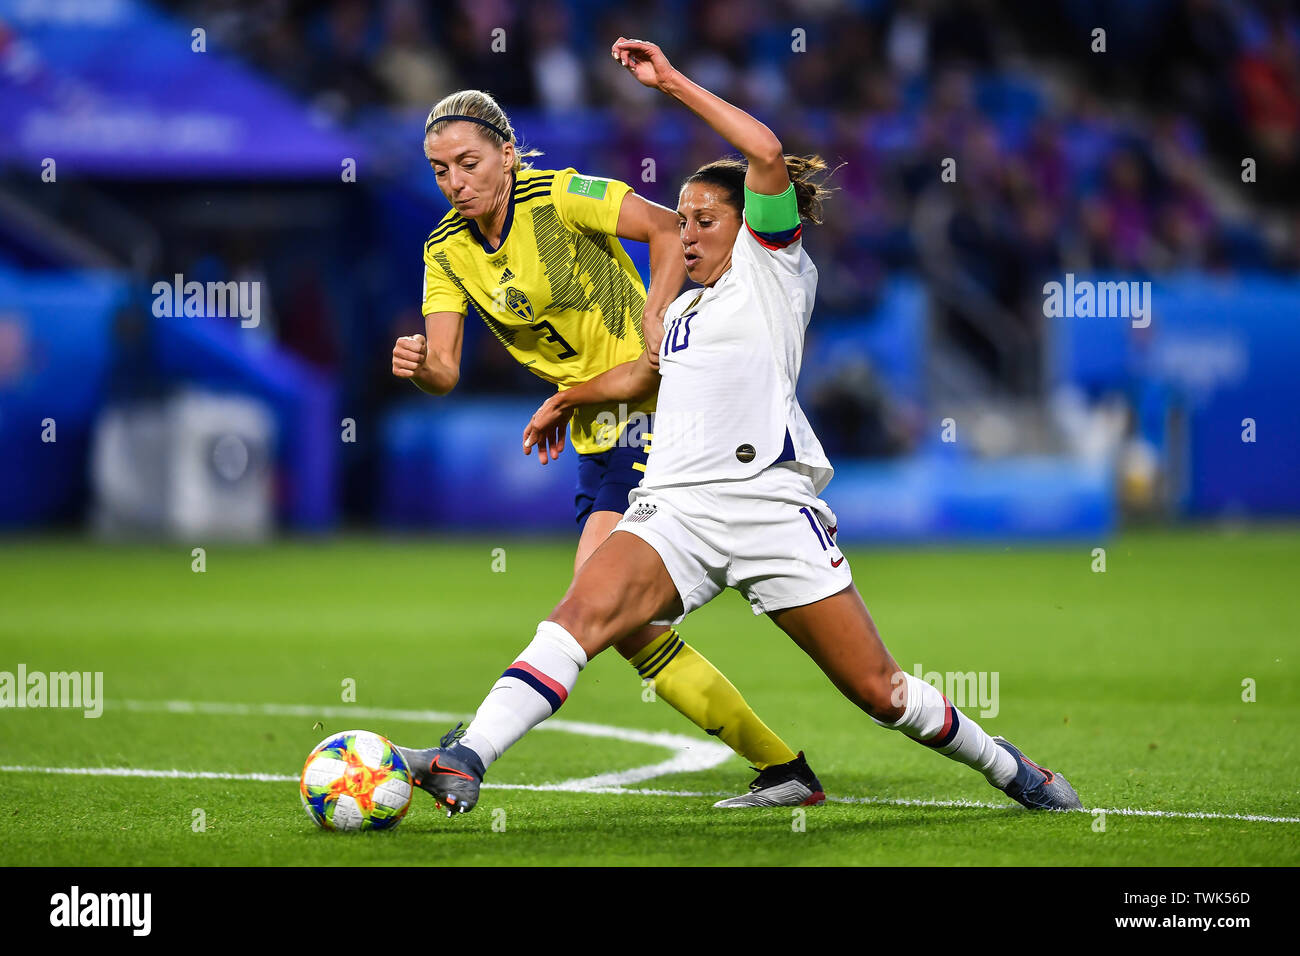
(1130, 682)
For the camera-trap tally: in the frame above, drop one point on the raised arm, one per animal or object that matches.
(631, 381)
(767, 173)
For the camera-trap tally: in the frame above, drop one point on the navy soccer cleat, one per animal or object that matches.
(1035, 787)
(450, 772)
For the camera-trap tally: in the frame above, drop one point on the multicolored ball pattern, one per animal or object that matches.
(355, 780)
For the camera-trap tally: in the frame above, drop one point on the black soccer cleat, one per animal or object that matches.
(1035, 787)
(790, 784)
(450, 772)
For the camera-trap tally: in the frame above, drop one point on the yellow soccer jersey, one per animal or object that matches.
(560, 293)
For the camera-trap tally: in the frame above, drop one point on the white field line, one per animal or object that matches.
(570, 787)
(578, 787)
(691, 755)
(152, 774)
(1122, 811)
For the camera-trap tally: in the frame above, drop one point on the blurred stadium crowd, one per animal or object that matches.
(1069, 158)
(1067, 163)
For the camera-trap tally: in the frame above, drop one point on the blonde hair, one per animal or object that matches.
(480, 106)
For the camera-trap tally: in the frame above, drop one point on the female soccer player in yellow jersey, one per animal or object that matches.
(731, 495)
(537, 253)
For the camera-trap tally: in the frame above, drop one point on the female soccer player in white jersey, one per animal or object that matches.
(730, 497)
(537, 252)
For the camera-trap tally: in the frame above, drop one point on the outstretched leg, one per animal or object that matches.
(839, 634)
(685, 678)
(621, 589)
(617, 592)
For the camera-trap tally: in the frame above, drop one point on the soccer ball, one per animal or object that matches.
(355, 780)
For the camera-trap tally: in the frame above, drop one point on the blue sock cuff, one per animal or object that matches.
(461, 752)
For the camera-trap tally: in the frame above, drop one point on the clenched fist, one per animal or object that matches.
(409, 355)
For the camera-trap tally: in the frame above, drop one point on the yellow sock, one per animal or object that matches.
(701, 693)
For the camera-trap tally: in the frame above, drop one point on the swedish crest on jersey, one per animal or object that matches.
(518, 303)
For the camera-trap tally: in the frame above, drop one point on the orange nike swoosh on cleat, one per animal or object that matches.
(1047, 774)
(836, 564)
(435, 766)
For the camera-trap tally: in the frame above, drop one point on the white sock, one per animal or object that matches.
(531, 689)
(930, 719)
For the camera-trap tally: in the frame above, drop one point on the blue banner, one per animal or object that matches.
(112, 88)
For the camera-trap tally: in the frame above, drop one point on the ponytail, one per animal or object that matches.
(805, 175)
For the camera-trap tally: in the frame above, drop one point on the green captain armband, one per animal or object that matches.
(769, 214)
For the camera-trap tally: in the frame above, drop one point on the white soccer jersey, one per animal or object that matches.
(729, 362)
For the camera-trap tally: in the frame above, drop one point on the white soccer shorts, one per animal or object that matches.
(770, 537)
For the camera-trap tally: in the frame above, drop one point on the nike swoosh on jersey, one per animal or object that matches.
(836, 564)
